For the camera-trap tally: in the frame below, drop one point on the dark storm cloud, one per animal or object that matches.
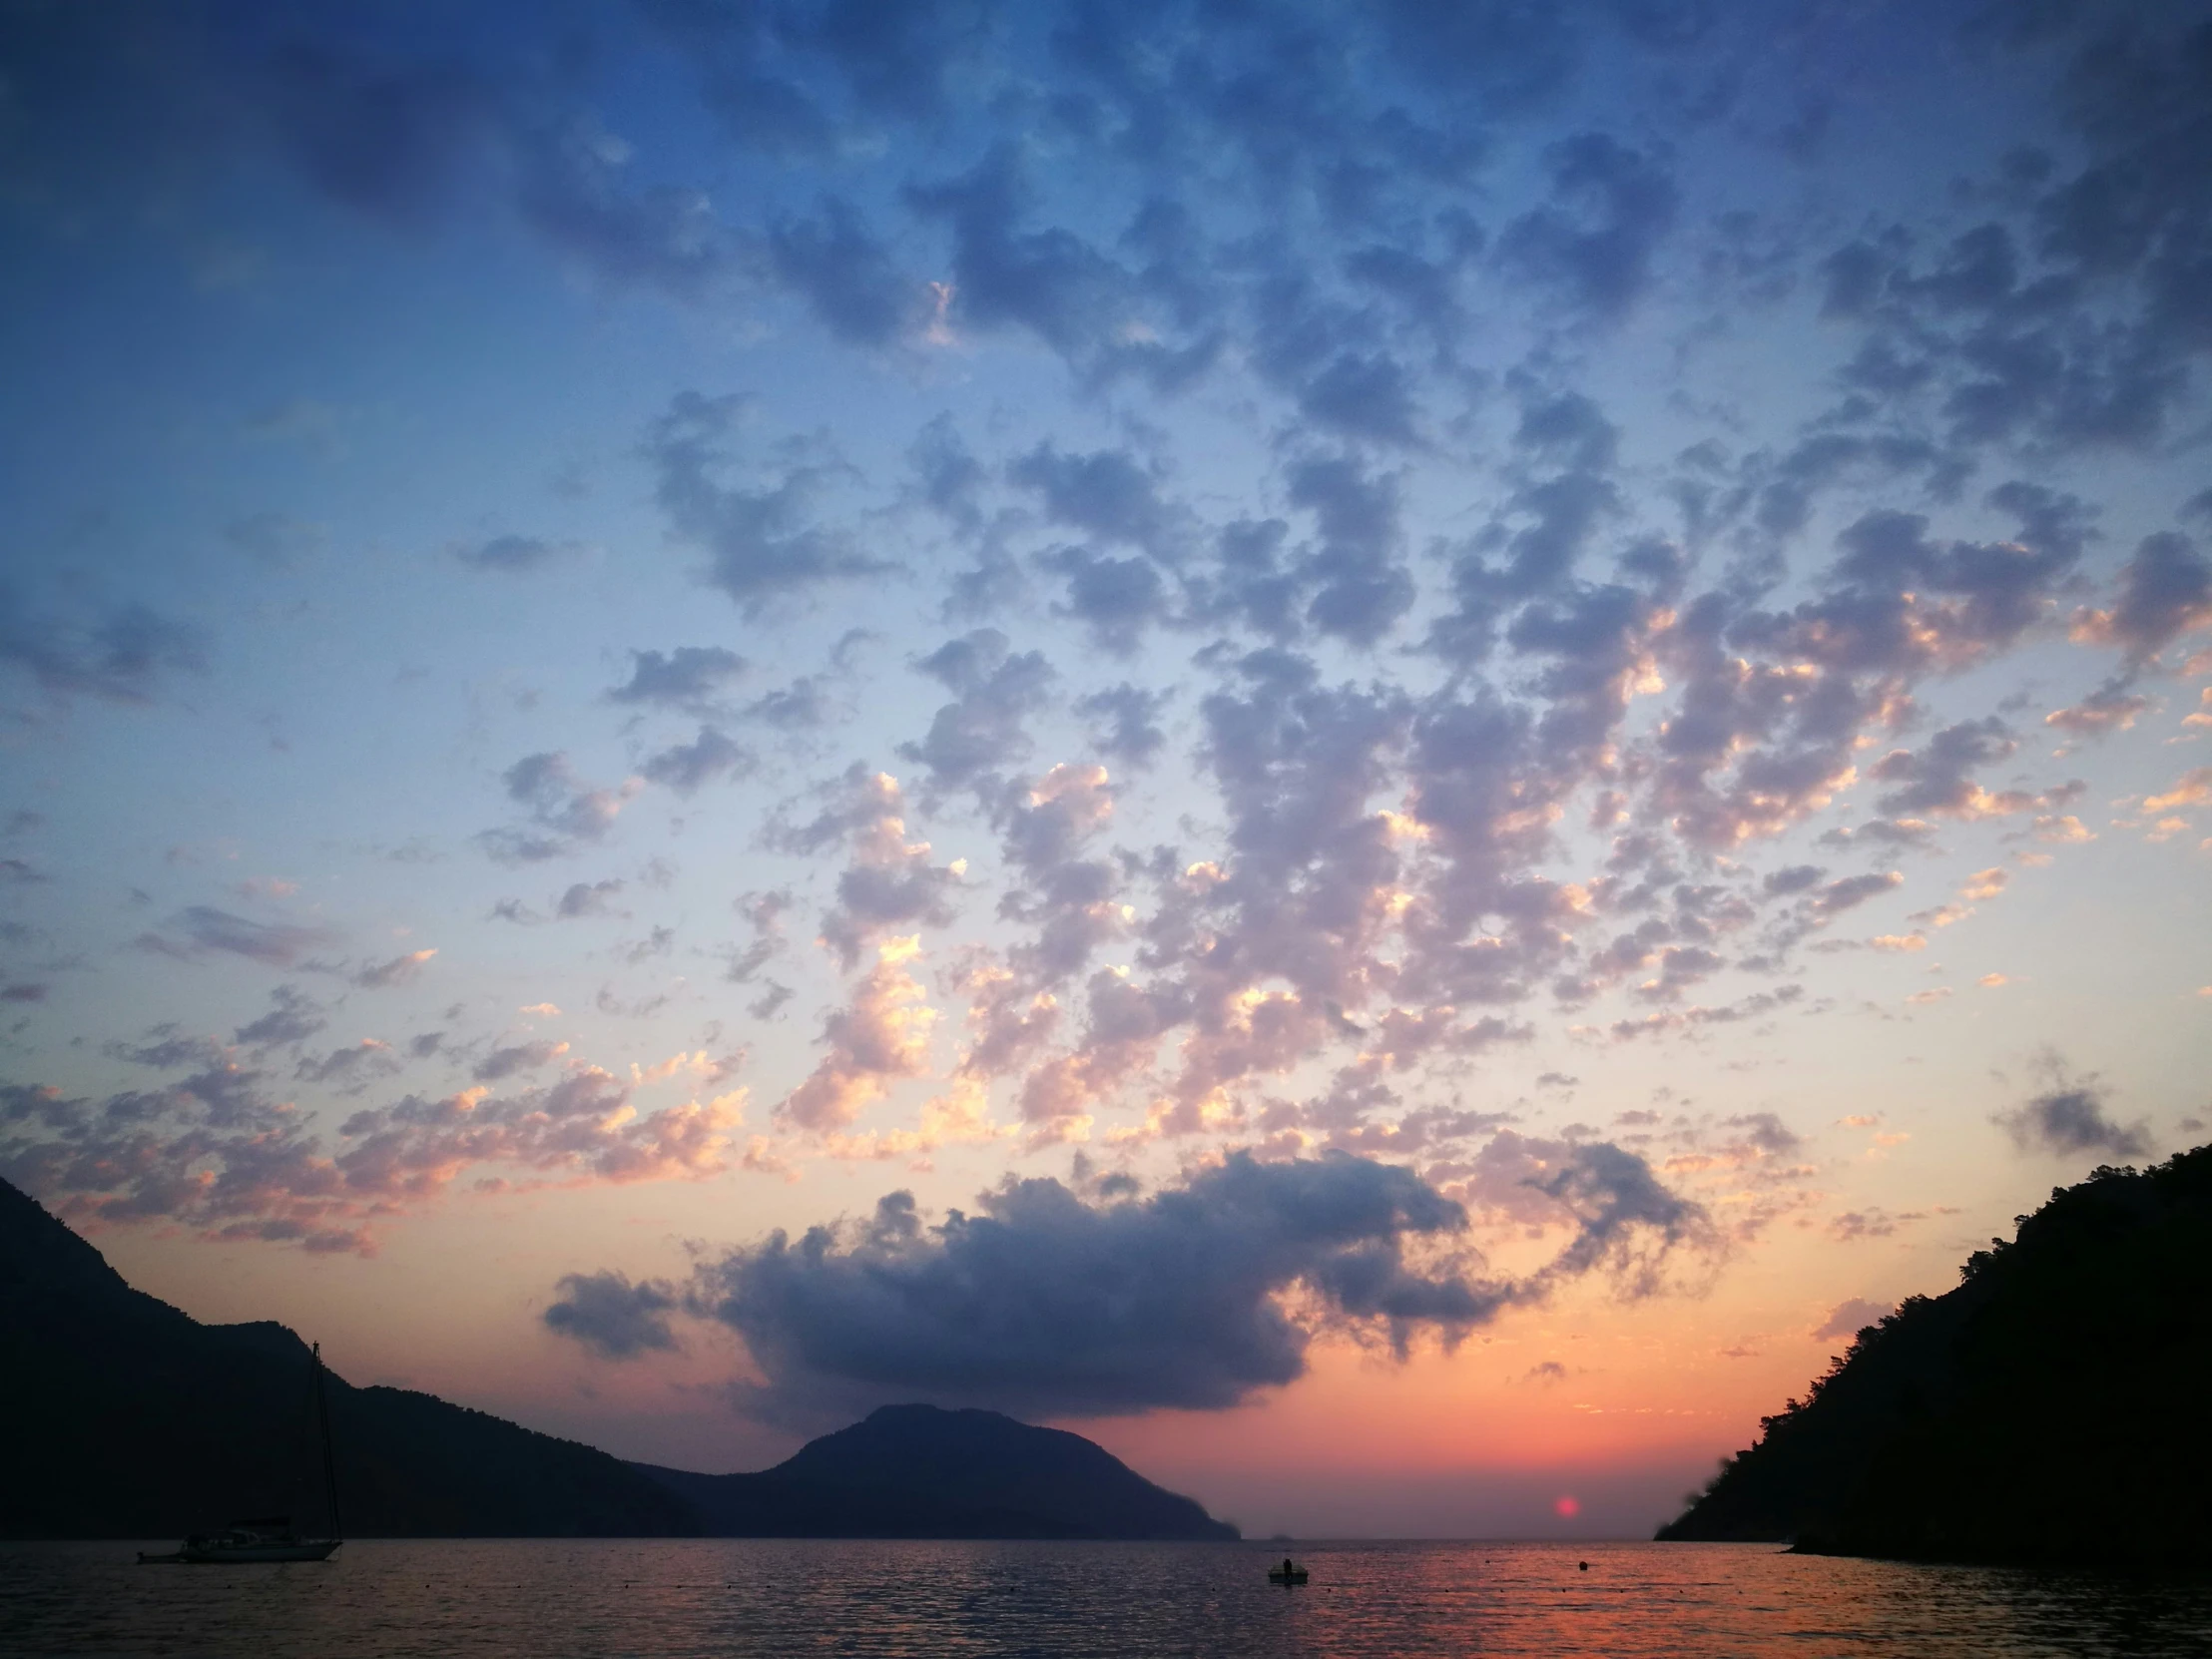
(2069, 1118)
(690, 678)
(762, 541)
(615, 1319)
(1042, 1301)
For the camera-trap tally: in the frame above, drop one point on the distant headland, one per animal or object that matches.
(2051, 1409)
(131, 1419)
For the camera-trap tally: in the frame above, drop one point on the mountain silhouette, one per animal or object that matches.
(918, 1471)
(2049, 1408)
(128, 1419)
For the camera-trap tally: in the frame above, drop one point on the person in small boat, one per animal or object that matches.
(1286, 1569)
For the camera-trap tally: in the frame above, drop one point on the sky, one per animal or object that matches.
(1383, 750)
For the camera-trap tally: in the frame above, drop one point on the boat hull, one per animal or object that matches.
(238, 1555)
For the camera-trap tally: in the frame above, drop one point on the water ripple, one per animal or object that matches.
(730, 1598)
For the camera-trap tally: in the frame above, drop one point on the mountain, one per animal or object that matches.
(2049, 1408)
(128, 1418)
(125, 1418)
(918, 1471)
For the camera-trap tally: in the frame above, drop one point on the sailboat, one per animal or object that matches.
(270, 1539)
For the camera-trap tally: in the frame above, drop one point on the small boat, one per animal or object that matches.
(1286, 1574)
(270, 1539)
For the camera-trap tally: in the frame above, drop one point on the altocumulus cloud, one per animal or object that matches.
(1193, 1296)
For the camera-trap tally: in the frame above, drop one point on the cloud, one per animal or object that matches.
(404, 970)
(762, 541)
(690, 677)
(844, 274)
(998, 689)
(2192, 789)
(889, 882)
(294, 1019)
(513, 555)
(1125, 717)
(213, 1149)
(878, 1037)
(615, 1319)
(689, 766)
(200, 928)
(587, 899)
(1849, 1317)
(1853, 890)
(2110, 708)
(350, 1069)
(2069, 1118)
(530, 1056)
(1045, 1302)
(1938, 781)
(1592, 244)
(566, 810)
(583, 1128)
(2165, 592)
(123, 653)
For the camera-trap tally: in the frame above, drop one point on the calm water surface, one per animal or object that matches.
(662, 1600)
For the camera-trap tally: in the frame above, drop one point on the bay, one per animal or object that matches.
(674, 1599)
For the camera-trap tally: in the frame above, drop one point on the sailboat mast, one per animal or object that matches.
(329, 1466)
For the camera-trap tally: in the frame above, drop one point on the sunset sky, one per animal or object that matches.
(1381, 749)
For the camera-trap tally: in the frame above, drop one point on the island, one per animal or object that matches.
(128, 1419)
(2049, 1410)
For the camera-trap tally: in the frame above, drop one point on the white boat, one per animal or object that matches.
(260, 1540)
(271, 1538)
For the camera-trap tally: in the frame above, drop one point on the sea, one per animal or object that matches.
(675, 1599)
